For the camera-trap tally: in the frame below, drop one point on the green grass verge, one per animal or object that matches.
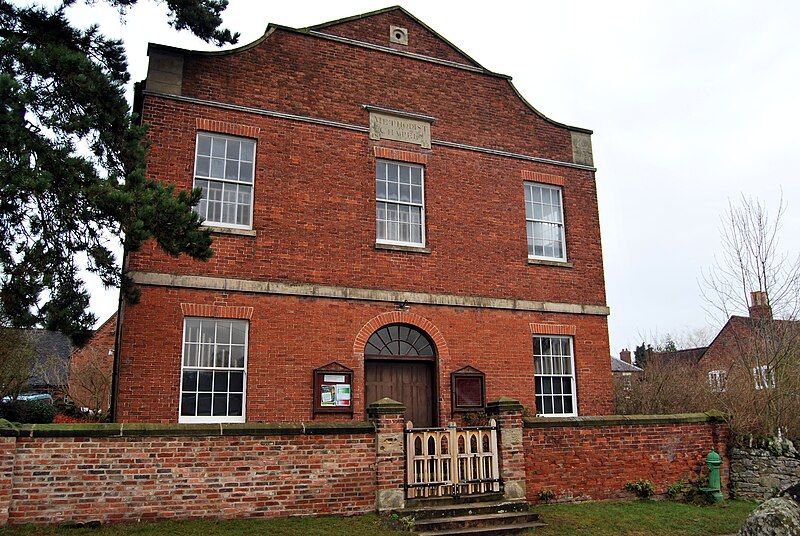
(294, 526)
(642, 518)
(609, 518)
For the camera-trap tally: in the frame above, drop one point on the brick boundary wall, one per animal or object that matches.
(592, 458)
(69, 474)
(79, 473)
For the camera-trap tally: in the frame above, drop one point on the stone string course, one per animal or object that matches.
(760, 473)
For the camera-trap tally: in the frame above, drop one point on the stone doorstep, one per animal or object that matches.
(452, 510)
(503, 519)
(438, 516)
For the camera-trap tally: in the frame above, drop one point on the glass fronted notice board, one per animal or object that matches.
(333, 389)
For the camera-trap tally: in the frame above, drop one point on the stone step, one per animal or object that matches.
(453, 510)
(461, 499)
(501, 519)
(485, 531)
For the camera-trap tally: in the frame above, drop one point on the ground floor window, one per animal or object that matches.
(214, 370)
(555, 376)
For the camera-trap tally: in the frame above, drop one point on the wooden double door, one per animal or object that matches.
(409, 382)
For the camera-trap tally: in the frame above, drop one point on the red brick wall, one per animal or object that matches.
(595, 462)
(291, 336)
(312, 183)
(7, 450)
(314, 217)
(375, 30)
(91, 367)
(306, 75)
(128, 479)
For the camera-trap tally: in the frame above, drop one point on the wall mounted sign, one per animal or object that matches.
(468, 387)
(386, 124)
(333, 389)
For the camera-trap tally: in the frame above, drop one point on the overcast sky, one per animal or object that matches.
(692, 104)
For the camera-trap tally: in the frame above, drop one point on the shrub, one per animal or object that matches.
(643, 489)
(28, 411)
(546, 495)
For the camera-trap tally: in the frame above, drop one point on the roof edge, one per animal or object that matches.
(317, 27)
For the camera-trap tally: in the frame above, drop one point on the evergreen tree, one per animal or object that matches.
(72, 164)
(641, 353)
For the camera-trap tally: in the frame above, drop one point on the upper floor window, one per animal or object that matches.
(764, 377)
(544, 215)
(717, 380)
(223, 170)
(400, 204)
(214, 371)
(554, 371)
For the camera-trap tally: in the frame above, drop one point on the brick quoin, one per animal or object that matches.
(314, 221)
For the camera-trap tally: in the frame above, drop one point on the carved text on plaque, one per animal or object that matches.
(391, 127)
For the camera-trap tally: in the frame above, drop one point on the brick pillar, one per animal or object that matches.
(508, 414)
(8, 450)
(388, 417)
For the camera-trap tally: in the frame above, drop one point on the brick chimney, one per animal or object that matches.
(625, 355)
(759, 308)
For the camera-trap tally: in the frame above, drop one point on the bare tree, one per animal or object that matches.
(16, 361)
(763, 349)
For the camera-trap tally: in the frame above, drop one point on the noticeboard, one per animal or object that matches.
(333, 389)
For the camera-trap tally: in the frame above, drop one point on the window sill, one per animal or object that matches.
(230, 230)
(545, 262)
(408, 249)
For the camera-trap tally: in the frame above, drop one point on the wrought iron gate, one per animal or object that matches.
(451, 460)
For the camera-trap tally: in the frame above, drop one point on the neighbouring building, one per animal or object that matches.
(746, 346)
(751, 347)
(390, 219)
(91, 368)
(48, 363)
(623, 370)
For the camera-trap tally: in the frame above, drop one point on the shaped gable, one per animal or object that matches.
(414, 36)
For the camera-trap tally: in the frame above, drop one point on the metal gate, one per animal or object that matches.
(451, 461)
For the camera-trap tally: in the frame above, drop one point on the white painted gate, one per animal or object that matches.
(451, 461)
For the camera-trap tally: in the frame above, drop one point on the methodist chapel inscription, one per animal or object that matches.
(390, 127)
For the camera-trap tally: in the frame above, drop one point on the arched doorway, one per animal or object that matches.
(400, 363)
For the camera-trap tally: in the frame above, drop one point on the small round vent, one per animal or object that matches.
(398, 35)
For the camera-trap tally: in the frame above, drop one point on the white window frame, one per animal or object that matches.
(215, 419)
(764, 377)
(252, 184)
(563, 257)
(422, 206)
(717, 380)
(574, 393)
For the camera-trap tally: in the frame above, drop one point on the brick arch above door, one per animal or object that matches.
(401, 317)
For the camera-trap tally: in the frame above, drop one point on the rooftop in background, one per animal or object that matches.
(618, 365)
(53, 350)
(687, 355)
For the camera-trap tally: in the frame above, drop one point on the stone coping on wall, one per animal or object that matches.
(184, 430)
(623, 420)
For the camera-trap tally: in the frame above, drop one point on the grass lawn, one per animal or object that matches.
(642, 518)
(591, 519)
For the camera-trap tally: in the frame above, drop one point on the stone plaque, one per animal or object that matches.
(392, 127)
(582, 148)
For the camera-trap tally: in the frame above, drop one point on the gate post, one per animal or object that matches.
(388, 417)
(508, 413)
